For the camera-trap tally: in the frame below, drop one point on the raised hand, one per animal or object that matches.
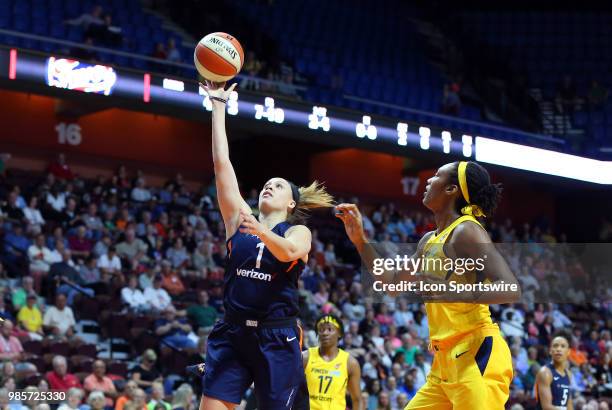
(217, 90)
(353, 223)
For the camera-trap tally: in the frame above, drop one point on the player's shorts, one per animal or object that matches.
(239, 355)
(472, 373)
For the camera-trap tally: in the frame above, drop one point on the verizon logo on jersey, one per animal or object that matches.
(253, 274)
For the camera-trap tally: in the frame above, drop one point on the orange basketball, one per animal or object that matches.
(218, 57)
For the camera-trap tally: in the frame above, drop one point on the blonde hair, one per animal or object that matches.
(181, 396)
(311, 197)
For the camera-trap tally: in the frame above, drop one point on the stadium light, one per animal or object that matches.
(543, 161)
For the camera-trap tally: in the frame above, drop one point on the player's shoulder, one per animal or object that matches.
(291, 229)
(352, 364)
(425, 238)
(470, 230)
(544, 374)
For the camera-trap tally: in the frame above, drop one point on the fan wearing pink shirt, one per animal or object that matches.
(98, 381)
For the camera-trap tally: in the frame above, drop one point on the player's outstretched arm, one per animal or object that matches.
(353, 225)
(543, 380)
(354, 377)
(228, 192)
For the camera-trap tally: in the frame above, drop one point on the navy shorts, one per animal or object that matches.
(239, 355)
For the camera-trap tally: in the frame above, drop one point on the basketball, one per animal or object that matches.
(218, 57)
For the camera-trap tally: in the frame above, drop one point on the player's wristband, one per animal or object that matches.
(219, 99)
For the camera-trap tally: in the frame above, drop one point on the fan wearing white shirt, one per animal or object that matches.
(60, 319)
(157, 296)
(109, 263)
(39, 255)
(133, 296)
(33, 216)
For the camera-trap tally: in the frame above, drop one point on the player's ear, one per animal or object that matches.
(451, 189)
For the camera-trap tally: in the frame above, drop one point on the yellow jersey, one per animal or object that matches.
(327, 381)
(452, 319)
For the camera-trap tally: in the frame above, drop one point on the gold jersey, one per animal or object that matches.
(327, 381)
(451, 319)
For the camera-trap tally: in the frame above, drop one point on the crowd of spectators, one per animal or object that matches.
(158, 254)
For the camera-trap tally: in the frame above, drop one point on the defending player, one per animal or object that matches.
(330, 370)
(472, 367)
(258, 340)
(552, 386)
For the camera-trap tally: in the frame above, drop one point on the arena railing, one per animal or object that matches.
(65, 47)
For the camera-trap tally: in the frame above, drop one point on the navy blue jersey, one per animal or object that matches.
(257, 285)
(559, 387)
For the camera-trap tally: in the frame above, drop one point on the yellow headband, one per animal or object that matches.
(473, 210)
(329, 319)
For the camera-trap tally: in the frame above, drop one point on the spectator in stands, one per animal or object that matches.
(567, 96)
(202, 314)
(183, 398)
(145, 374)
(99, 381)
(128, 394)
(597, 96)
(174, 332)
(157, 397)
(60, 169)
(352, 309)
(12, 211)
(171, 280)
(5, 313)
(85, 20)
(173, 54)
(139, 400)
(133, 297)
(96, 400)
(20, 294)
(60, 319)
(52, 242)
(252, 67)
(40, 256)
(160, 51)
(101, 247)
(110, 264)
(512, 324)
(177, 255)
(59, 378)
(80, 246)
(402, 317)
(140, 193)
(132, 249)
(92, 220)
(451, 103)
(16, 246)
(157, 296)
(74, 397)
(91, 276)
(109, 34)
(33, 216)
(30, 318)
(67, 278)
(10, 347)
(202, 258)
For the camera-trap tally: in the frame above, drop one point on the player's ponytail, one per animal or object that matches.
(307, 198)
(479, 197)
